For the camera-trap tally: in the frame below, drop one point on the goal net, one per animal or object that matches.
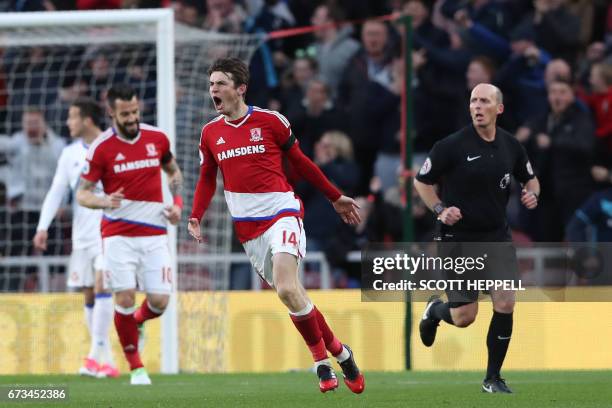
(49, 59)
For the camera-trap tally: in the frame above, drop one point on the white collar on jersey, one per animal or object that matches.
(129, 141)
(237, 125)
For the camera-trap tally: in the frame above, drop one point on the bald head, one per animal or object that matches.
(485, 104)
(489, 90)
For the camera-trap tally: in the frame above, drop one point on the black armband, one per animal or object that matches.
(290, 142)
(166, 158)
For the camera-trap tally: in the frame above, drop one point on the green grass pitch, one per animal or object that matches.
(584, 389)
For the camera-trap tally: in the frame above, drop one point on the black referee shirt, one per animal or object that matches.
(475, 176)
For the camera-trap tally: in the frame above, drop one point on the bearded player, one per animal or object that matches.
(127, 159)
(248, 144)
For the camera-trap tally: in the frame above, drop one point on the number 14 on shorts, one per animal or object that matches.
(289, 238)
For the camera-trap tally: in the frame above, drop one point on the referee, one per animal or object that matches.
(473, 168)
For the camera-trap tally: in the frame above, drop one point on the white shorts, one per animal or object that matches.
(84, 263)
(285, 235)
(138, 262)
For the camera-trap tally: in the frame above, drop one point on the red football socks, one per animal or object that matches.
(127, 330)
(308, 327)
(331, 342)
(145, 313)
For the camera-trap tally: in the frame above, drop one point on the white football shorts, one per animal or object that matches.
(285, 235)
(84, 262)
(138, 262)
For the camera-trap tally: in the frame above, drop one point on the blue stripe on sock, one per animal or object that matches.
(103, 295)
(89, 305)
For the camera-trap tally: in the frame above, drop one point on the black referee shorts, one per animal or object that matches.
(494, 248)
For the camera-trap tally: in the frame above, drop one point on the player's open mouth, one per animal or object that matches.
(479, 116)
(217, 101)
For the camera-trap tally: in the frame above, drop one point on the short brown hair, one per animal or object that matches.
(89, 108)
(235, 68)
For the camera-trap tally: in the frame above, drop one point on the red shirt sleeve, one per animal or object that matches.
(207, 183)
(311, 173)
(93, 169)
(282, 129)
(164, 146)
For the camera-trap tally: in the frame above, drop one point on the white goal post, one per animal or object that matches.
(162, 20)
(173, 60)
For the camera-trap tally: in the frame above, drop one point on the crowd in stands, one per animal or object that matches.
(341, 87)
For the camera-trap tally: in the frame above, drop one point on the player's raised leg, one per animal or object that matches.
(498, 340)
(303, 315)
(353, 378)
(157, 278)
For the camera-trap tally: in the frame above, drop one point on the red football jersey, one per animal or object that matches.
(249, 153)
(134, 165)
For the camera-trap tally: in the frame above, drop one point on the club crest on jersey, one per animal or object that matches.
(151, 150)
(256, 135)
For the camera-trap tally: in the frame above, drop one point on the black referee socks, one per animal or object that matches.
(498, 339)
(441, 311)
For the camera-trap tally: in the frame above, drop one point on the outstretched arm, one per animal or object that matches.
(204, 192)
(51, 205)
(345, 206)
(175, 183)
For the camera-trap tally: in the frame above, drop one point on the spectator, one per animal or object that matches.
(600, 102)
(439, 65)
(379, 213)
(33, 154)
(30, 83)
(224, 16)
(293, 89)
(100, 74)
(369, 93)
(482, 70)
(334, 46)
(492, 14)
(333, 154)
(561, 143)
(553, 28)
(600, 99)
(271, 56)
(522, 71)
(70, 89)
(592, 222)
(316, 115)
(557, 69)
(190, 12)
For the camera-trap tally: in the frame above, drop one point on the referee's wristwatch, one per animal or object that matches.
(438, 208)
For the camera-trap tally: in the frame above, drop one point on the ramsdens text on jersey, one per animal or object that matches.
(241, 151)
(135, 165)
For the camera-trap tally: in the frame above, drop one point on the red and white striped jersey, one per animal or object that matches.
(134, 165)
(249, 153)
